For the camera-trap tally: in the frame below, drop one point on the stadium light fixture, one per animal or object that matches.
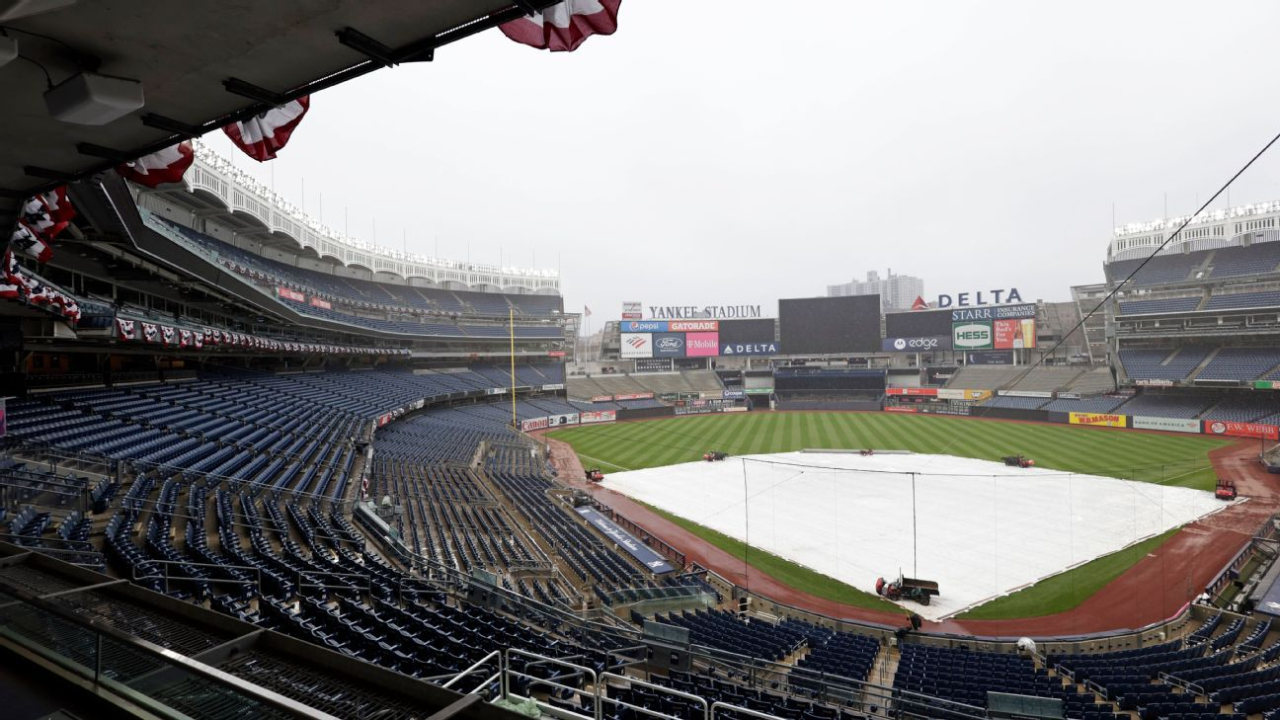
(93, 99)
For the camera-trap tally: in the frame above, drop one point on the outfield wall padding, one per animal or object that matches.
(645, 413)
(994, 413)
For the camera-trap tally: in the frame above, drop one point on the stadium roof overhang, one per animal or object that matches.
(201, 65)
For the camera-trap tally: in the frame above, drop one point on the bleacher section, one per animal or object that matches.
(685, 381)
(1167, 406)
(1167, 305)
(1236, 301)
(354, 291)
(1240, 364)
(1161, 269)
(1257, 259)
(1163, 364)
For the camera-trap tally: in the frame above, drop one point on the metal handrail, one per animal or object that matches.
(165, 564)
(155, 652)
(507, 673)
(474, 667)
(706, 710)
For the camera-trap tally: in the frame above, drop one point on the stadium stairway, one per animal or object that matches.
(1191, 376)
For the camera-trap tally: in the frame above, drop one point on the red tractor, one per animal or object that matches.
(594, 475)
(714, 456)
(905, 588)
(1021, 461)
(1226, 490)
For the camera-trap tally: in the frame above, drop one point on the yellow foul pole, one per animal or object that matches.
(511, 321)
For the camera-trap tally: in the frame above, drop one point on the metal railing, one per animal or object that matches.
(166, 564)
(158, 681)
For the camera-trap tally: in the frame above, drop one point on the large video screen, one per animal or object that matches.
(822, 326)
(748, 331)
(920, 323)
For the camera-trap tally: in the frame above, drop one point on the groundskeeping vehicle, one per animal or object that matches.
(905, 588)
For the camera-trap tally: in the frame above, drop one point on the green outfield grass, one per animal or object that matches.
(1180, 460)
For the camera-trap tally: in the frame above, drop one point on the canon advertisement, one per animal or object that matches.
(915, 344)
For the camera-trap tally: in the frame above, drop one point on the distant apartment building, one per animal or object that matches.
(897, 292)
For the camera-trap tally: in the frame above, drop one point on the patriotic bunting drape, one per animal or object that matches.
(563, 27)
(261, 136)
(158, 168)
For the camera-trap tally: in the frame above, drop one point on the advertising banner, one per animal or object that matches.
(702, 344)
(1025, 393)
(668, 344)
(759, 391)
(555, 353)
(915, 344)
(1267, 385)
(553, 387)
(632, 311)
(321, 303)
(1141, 422)
(637, 345)
(653, 561)
(1002, 312)
(606, 416)
(957, 394)
(288, 294)
(644, 326)
(1240, 429)
(602, 398)
(1014, 334)
(760, 348)
(558, 420)
(694, 326)
(735, 394)
(913, 391)
(900, 409)
(533, 424)
(495, 391)
(1098, 419)
(653, 365)
(634, 396)
(1002, 357)
(972, 336)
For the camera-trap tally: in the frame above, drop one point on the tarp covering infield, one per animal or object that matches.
(982, 529)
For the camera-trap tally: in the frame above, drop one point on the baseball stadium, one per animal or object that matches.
(256, 467)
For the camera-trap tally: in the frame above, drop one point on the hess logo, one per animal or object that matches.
(972, 335)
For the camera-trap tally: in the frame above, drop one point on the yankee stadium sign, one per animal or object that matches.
(693, 312)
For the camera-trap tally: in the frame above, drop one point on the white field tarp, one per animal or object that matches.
(982, 529)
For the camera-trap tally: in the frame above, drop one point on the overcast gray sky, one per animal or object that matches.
(736, 152)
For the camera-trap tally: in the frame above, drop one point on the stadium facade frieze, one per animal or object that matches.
(694, 312)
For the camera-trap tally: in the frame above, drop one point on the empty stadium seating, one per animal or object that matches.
(1256, 259)
(1163, 364)
(1167, 305)
(1240, 364)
